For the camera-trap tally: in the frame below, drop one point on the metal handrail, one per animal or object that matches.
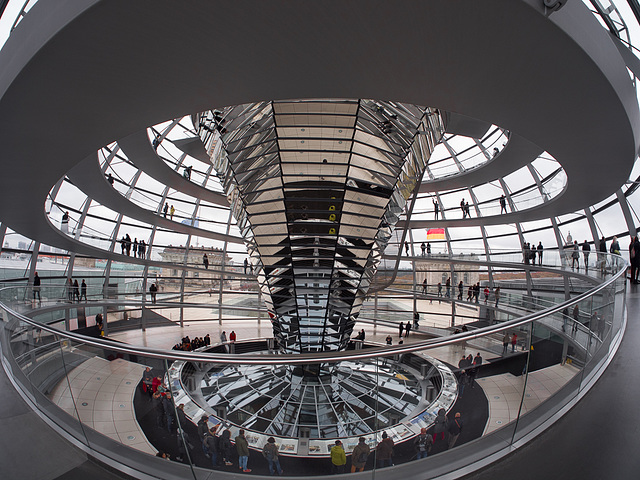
(322, 357)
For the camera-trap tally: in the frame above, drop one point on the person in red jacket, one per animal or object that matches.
(232, 336)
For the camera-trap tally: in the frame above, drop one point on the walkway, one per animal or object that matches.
(605, 416)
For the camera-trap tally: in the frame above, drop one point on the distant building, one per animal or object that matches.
(176, 255)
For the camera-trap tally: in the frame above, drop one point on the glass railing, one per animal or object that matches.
(310, 411)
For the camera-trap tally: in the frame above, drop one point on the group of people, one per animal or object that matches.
(465, 209)
(139, 247)
(384, 451)
(189, 345)
(529, 253)
(468, 371)
(75, 292)
(406, 328)
(166, 210)
(509, 339)
(426, 249)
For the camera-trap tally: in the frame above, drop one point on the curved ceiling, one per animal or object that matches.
(557, 81)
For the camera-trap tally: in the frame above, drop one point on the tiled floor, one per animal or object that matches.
(505, 392)
(107, 388)
(103, 392)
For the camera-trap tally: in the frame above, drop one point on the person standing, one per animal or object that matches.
(455, 429)
(225, 447)
(503, 204)
(586, 249)
(424, 286)
(422, 444)
(439, 290)
(406, 248)
(576, 319)
(211, 444)
(460, 290)
(165, 209)
(447, 286)
(615, 246)
(407, 329)
(440, 424)
(270, 453)
(172, 210)
(540, 248)
(135, 247)
(602, 256)
(506, 340)
(232, 336)
(428, 249)
(496, 294)
(463, 208)
(360, 455)
(64, 224)
(436, 209)
(400, 329)
(242, 446)
(514, 342)
(36, 287)
(127, 244)
(83, 291)
(338, 458)
(205, 261)
(635, 260)
(423, 247)
(384, 451)
(223, 337)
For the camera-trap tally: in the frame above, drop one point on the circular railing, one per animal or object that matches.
(92, 387)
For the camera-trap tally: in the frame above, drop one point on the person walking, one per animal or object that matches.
(496, 294)
(76, 291)
(270, 453)
(503, 204)
(384, 451)
(424, 286)
(338, 458)
(575, 256)
(455, 429)
(400, 329)
(460, 290)
(360, 455)
(447, 286)
(407, 329)
(205, 261)
(422, 444)
(242, 447)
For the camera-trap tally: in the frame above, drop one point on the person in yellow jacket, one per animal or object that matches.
(338, 458)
